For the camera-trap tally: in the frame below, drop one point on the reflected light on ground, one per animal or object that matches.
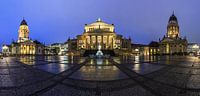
(99, 61)
(63, 67)
(137, 59)
(136, 67)
(63, 58)
(91, 61)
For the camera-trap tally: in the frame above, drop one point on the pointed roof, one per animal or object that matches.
(173, 17)
(23, 22)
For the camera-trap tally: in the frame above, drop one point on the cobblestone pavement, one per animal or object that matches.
(117, 76)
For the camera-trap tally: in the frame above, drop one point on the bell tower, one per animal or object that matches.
(173, 27)
(23, 32)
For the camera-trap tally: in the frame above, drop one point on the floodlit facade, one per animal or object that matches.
(99, 33)
(56, 49)
(172, 43)
(193, 49)
(23, 32)
(24, 45)
(6, 50)
(151, 49)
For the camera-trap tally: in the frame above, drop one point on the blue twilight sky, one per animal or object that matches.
(53, 21)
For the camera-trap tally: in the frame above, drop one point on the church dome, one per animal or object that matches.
(173, 18)
(23, 22)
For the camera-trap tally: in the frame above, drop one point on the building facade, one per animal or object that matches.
(151, 49)
(23, 32)
(154, 48)
(139, 49)
(6, 50)
(101, 34)
(193, 49)
(24, 45)
(172, 43)
(57, 49)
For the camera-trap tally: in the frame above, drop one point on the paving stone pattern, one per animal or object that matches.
(116, 76)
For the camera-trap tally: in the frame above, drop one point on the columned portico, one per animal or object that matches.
(101, 34)
(97, 33)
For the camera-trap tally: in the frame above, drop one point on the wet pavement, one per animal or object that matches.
(117, 76)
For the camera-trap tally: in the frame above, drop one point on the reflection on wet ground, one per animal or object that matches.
(54, 67)
(144, 68)
(99, 73)
(116, 76)
(98, 62)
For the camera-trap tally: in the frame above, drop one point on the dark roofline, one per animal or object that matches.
(23, 22)
(153, 44)
(139, 45)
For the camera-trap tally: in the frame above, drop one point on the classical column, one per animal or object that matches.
(107, 41)
(96, 42)
(112, 42)
(20, 50)
(90, 43)
(26, 49)
(86, 43)
(30, 49)
(102, 41)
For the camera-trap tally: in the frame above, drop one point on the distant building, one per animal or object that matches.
(193, 49)
(154, 48)
(101, 34)
(139, 49)
(126, 43)
(24, 45)
(172, 43)
(150, 49)
(6, 50)
(57, 49)
(72, 44)
(53, 49)
(64, 49)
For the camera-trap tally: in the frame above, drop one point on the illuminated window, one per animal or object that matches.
(91, 29)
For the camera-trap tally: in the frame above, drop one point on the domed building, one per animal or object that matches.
(23, 32)
(172, 43)
(24, 45)
(101, 34)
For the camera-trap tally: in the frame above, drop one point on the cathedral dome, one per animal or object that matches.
(23, 22)
(173, 18)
